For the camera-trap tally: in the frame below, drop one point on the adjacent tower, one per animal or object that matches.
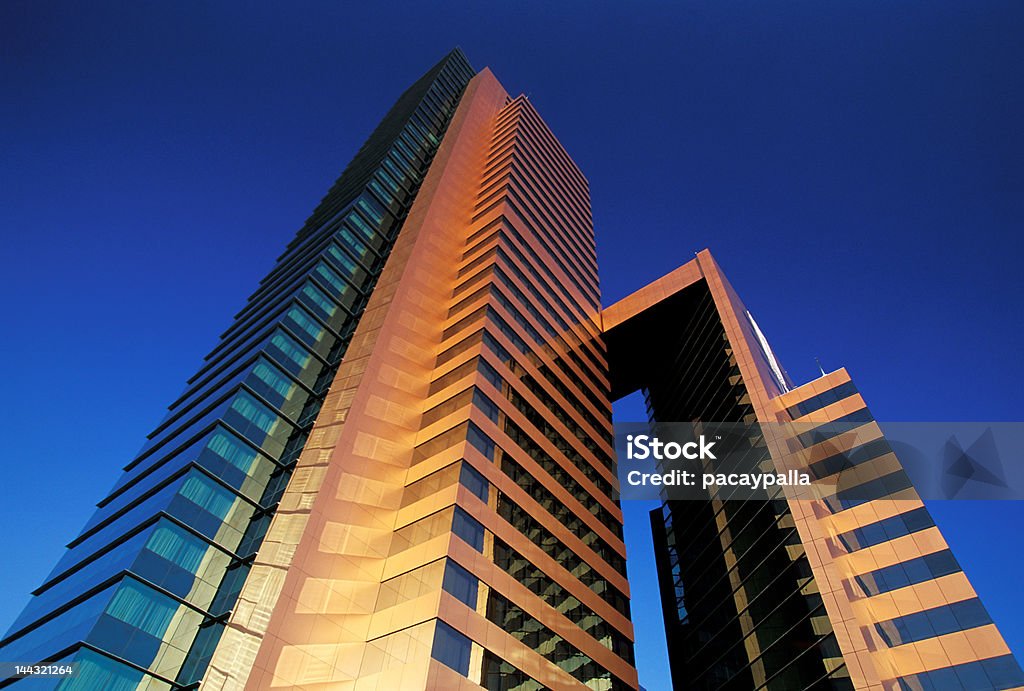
(853, 588)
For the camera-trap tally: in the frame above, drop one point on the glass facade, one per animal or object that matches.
(741, 605)
(850, 586)
(141, 596)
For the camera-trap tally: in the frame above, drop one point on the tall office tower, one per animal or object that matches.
(395, 471)
(852, 587)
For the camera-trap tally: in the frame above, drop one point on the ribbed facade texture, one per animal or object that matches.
(396, 470)
(853, 589)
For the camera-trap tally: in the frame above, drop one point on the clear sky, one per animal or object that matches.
(856, 168)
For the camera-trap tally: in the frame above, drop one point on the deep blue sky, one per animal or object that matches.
(855, 167)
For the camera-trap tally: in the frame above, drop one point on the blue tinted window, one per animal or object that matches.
(451, 648)
(371, 208)
(486, 405)
(460, 583)
(862, 453)
(497, 348)
(262, 417)
(346, 264)
(200, 654)
(828, 430)
(308, 329)
(177, 546)
(469, 529)
(507, 331)
(474, 481)
(142, 607)
(318, 301)
(208, 495)
(909, 572)
(354, 244)
(383, 193)
(290, 349)
(993, 674)
(938, 621)
(823, 399)
(97, 671)
(880, 487)
(275, 380)
(81, 580)
(60, 632)
(232, 449)
(354, 220)
(887, 529)
(331, 279)
(480, 441)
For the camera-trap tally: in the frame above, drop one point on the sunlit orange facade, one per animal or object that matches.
(466, 438)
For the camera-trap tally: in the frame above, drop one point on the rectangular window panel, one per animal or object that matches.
(862, 453)
(97, 671)
(486, 405)
(451, 648)
(823, 399)
(469, 529)
(292, 353)
(993, 674)
(480, 441)
(938, 621)
(474, 481)
(909, 572)
(828, 430)
(228, 447)
(142, 607)
(177, 546)
(884, 486)
(460, 584)
(887, 529)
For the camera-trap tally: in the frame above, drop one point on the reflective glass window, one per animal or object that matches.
(460, 583)
(451, 648)
(909, 572)
(474, 481)
(289, 348)
(469, 529)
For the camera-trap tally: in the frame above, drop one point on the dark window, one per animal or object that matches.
(474, 481)
(469, 529)
(887, 529)
(823, 399)
(451, 648)
(937, 621)
(460, 584)
(909, 572)
(993, 674)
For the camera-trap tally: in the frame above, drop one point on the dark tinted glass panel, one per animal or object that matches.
(451, 648)
(460, 583)
(906, 573)
(469, 529)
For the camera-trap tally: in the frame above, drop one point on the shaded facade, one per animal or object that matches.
(854, 589)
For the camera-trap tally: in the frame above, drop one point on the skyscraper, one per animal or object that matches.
(853, 588)
(396, 469)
